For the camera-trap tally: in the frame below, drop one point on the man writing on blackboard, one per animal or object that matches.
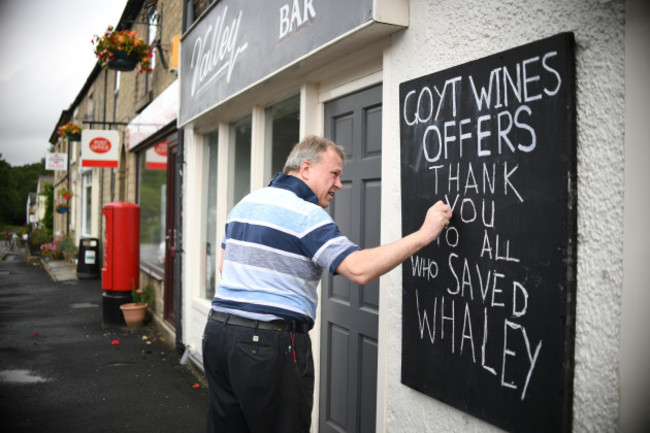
(278, 240)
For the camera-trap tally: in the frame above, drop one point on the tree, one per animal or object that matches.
(8, 195)
(17, 183)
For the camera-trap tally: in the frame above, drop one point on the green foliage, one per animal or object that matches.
(17, 183)
(69, 249)
(48, 218)
(152, 187)
(7, 194)
(40, 237)
(143, 295)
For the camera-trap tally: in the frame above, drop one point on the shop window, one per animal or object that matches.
(152, 33)
(240, 176)
(283, 129)
(211, 248)
(86, 203)
(116, 94)
(153, 195)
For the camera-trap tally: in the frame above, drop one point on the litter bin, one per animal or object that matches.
(88, 259)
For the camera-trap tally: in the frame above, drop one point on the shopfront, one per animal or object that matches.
(253, 83)
(153, 137)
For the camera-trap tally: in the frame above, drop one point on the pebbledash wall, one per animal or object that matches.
(607, 378)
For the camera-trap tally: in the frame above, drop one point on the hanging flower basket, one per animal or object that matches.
(122, 51)
(62, 209)
(66, 194)
(123, 61)
(72, 131)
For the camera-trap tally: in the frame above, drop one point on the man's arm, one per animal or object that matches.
(363, 266)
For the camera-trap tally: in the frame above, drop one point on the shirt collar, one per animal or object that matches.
(295, 185)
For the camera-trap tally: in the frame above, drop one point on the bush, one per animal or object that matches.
(40, 237)
(52, 250)
(69, 249)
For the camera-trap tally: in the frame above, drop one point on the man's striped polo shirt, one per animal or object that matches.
(278, 241)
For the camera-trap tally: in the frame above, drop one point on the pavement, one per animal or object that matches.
(63, 370)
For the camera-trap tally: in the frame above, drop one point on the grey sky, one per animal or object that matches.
(47, 56)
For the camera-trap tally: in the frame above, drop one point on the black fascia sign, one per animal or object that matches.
(489, 307)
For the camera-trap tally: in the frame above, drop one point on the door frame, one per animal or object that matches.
(323, 328)
(171, 234)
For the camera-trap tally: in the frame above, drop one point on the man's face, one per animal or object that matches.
(324, 177)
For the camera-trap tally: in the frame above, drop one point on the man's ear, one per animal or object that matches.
(305, 170)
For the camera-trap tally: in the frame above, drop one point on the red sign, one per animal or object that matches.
(99, 148)
(161, 148)
(156, 157)
(100, 145)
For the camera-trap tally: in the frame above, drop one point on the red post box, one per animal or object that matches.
(120, 273)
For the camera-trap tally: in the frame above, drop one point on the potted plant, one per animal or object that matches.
(122, 50)
(72, 131)
(134, 312)
(52, 250)
(62, 207)
(68, 249)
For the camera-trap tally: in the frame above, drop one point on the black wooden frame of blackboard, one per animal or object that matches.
(504, 419)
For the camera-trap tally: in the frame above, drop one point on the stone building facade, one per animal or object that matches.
(110, 100)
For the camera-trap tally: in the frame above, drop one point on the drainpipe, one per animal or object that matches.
(67, 215)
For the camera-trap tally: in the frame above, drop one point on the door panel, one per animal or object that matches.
(349, 311)
(170, 232)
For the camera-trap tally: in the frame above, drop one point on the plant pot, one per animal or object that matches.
(134, 314)
(123, 61)
(74, 137)
(62, 210)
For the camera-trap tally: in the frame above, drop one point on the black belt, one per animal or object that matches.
(274, 325)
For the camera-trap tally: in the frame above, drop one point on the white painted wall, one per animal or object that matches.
(195, 309)
(446, 33)
(635, 343)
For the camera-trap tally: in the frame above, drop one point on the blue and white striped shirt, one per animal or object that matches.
(278, 241)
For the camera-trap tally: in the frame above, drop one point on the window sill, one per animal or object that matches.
(153, 271)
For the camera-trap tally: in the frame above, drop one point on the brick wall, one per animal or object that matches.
(103, 104)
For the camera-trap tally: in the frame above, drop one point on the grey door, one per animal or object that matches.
(348, 392)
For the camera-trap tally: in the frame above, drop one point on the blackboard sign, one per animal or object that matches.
(488, 309)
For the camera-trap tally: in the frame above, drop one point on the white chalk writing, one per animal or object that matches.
(471, 132)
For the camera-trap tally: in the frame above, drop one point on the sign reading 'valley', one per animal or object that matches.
(240, 43)
(488, 309)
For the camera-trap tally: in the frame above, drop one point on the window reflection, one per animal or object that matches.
(153, 194)
(241, 175)
(283, 129)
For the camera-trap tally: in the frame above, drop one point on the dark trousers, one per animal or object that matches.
(255, 383)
